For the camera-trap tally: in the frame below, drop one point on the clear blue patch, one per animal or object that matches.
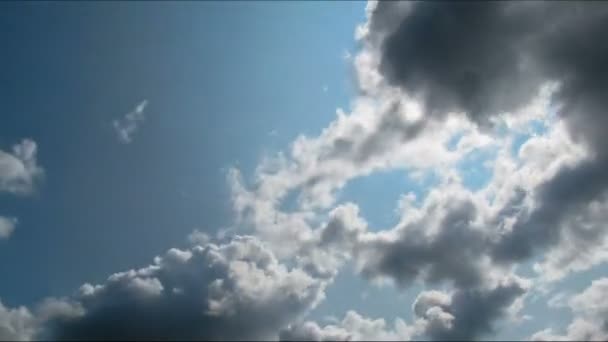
(475, 175)
(377, 194)
(454, 140)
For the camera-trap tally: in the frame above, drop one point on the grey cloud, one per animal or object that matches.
(16, 324)
(451, 253)
(465, 314)
(233, 291)
(485, 58)
(19, 170)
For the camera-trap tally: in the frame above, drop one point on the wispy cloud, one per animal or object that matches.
(126, 127)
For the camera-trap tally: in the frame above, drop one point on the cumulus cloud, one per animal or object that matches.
(590, 321)
(466, 314)
(7, 226)
(236, 290)
(354, 327)
(16, 324)
(456, 66)
(127, 126)
(431, 74)
(19, 170)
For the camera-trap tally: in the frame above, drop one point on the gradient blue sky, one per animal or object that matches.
(219, 78)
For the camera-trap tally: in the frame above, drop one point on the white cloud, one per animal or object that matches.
(127, 126)
(236, 290)
(590, 322)
(354, 327)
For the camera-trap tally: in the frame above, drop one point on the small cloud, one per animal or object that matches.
(19, 171)
(325, 88)
(7, 226)
(127, 126)
(273, 133)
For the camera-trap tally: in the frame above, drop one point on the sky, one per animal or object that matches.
(303, 171)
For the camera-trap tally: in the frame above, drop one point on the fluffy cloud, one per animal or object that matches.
(457, 67)
(126, 127)
(353, 327)
(16, 324)
(236, 290)
(590, 316)
(466, 314)
(19, 171)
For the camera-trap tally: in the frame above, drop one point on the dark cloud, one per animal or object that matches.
(461, 56)
(449, 251)
(227, 292)
(467, 313)
(485, 58)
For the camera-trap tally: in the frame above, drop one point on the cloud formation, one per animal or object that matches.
(237, 290)
(127, 126)
(353, 327)
(590, 316)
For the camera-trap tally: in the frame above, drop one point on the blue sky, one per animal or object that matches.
(295, 126)
(218, 77)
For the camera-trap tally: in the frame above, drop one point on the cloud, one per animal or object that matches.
(16, 324)
(485, 59)
(126, 127)
(466, 314)
(590, 321)
(19, 170)
(236, 290)
(7, 226)
(354, 327)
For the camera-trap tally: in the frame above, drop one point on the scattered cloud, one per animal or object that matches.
(127, 126)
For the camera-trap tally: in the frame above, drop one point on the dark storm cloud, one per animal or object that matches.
(227, 292)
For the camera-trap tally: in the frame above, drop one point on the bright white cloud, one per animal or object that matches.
(354, 327)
